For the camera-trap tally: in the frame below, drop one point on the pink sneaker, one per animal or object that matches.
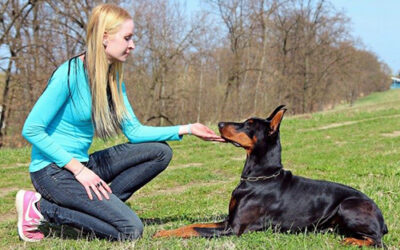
(29, 217)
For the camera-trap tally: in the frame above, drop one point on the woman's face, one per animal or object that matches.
(119, 45)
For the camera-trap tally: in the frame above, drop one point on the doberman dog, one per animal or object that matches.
(270, 197)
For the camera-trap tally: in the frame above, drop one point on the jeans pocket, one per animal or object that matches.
(54, 166)
(56, 172)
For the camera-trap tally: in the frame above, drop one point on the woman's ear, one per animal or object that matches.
(105, 36)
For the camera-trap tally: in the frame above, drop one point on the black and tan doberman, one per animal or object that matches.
(270, 197)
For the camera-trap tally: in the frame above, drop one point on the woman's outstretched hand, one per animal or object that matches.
(201, 131)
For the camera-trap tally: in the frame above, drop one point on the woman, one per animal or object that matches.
(86, 96)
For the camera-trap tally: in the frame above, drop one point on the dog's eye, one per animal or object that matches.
(248, 123)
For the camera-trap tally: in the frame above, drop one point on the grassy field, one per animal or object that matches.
(358, 146)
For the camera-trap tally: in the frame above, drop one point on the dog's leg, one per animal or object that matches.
(357, 242)
(203, 230)
(361, 218)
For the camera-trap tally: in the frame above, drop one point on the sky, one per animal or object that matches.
(375, 22)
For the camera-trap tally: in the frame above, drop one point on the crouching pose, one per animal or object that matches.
(86, 96)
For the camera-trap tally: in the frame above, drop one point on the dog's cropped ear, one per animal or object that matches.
(269, 118)
(275, 121)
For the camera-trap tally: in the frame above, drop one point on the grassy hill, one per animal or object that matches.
(358, 146)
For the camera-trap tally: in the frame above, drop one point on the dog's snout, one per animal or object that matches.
(221, 124)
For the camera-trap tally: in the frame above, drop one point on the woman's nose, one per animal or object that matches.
(131, 45)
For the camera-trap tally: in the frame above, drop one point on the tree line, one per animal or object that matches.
(230, 59)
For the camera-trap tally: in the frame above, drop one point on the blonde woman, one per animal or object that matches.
(86, 96)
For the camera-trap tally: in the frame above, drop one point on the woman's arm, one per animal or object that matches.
(137, 133)
(43, 112)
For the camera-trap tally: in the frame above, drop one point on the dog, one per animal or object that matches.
(270, 197)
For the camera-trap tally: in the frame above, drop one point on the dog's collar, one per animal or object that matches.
(260, 178)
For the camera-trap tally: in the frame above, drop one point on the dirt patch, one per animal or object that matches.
(341, 124)
(7, 190)
(393, 134)
(8, 216)
(340, 143)
(335, 125)
(14, 165)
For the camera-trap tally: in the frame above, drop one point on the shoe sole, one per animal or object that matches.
(19, 201)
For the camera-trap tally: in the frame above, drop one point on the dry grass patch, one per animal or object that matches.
(393, 134)
(6, 190)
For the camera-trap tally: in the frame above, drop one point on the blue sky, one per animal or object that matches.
(377, 24)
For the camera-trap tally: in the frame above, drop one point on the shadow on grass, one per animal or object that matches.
(71, 233)
(64, 231)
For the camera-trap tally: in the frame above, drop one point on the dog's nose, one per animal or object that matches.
(221, 124)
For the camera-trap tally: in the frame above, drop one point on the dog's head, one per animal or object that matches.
(253, 131)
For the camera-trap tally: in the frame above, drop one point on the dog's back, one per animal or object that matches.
(293, 203)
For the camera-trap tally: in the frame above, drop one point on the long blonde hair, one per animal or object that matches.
(108, 109)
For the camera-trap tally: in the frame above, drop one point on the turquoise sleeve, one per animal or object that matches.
(137, 133)
(43, 112)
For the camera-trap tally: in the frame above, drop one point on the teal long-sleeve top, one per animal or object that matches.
(60, 128)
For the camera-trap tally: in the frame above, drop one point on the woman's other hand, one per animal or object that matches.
(89, 180)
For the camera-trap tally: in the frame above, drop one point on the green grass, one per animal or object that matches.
(358, 146)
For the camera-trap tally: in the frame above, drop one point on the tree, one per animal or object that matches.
(163, 40)
(230, 60)
(15, 15)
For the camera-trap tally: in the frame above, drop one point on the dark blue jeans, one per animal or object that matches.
(127, 167)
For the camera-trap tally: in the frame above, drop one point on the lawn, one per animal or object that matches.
(358, 146)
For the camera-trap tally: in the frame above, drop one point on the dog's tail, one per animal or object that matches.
(197, 230)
